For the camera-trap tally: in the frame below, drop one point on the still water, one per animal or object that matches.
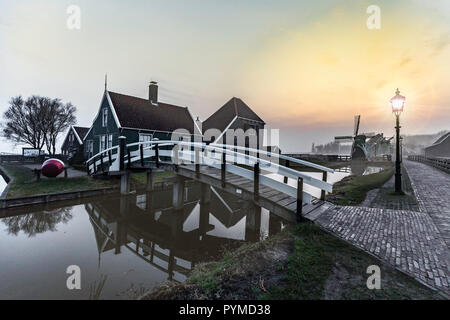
(134, 242)
(3, 184)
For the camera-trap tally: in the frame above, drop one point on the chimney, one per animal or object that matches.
(153, 92)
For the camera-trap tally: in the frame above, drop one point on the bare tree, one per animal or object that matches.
(37, 121)
(57, 118)
(22, 122)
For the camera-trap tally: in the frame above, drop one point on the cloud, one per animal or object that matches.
(404, 61)
(439, 44)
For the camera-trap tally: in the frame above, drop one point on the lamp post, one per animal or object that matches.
(397, 103)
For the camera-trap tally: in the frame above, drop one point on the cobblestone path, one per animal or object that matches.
(384, 199)
(432, 190)
(414, 241)
(408, 240)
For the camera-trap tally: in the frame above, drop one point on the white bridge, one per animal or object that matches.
(249, 173)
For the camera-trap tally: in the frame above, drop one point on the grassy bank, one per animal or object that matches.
(302, 262)
(141, 178)
(352, 190)
(24, 183)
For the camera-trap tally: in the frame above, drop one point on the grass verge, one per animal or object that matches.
(24, 183)
(302, 262)
(352, 190)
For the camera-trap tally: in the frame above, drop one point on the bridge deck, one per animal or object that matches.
(273, 200)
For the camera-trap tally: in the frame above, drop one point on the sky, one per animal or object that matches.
(305, 67)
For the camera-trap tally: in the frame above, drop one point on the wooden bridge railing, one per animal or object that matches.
(440, 163)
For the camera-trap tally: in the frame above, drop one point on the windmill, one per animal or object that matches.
(359, 150)
(365, 145)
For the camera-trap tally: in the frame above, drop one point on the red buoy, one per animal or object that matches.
(52, 168)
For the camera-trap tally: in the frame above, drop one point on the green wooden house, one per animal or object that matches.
(136, 119)
(73, 144)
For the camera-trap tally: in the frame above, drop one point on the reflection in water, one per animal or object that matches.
(359, 169)
(3, 184)
(136, 241)
(172, 240)
(35, 223)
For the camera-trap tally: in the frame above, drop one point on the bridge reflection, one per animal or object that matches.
(175, 240)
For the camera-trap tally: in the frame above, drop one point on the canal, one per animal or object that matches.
(3, 184)
(131, 243)
(128, 245)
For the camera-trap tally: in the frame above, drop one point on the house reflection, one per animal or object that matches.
(172, 240)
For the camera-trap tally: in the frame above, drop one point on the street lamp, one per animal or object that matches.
(398, 102)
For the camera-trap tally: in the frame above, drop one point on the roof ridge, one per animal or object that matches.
(442, 138)
(146, 100)
(235, 106)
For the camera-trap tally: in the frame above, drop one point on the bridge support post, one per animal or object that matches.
(324, 178)
(299, 199)
(256, 172)
(129, 158)
(274, 224)
(121, 232)
(125, 183)
(223, 167)
(176, 156)
(149, 186)
(176, 225)
(205, 206)
(253, 223)
(204, 219)
(285, 180)
(178, 193)
(197, 162)
(157, 155)
(205, 193)
(101, 162)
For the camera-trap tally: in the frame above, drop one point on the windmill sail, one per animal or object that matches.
(356, 125)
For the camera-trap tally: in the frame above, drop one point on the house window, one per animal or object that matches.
(102, 143)
(110, 141)
(105, 117)
(145, 137)
(90, 148)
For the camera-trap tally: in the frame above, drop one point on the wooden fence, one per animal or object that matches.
(318, 157)
(20, 159)
(333, 157)
(440, 163)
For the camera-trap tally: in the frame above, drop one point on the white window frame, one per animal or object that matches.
(145, 137)
(90, 148)
(103, 141)
(105, 117)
